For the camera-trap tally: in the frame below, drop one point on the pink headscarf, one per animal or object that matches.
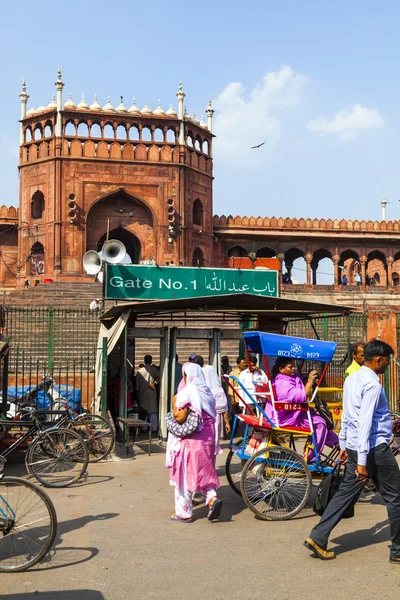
(182, 383)
(197, 391)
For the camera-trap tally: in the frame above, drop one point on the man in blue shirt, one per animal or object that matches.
(364, 447)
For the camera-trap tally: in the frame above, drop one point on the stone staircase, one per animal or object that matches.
(60, 294)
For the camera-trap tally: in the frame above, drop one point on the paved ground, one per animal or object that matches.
(115, 541)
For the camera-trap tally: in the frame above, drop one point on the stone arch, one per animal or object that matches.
(205, 147)
(121, 210)
(170, 136)
(349, 264)
(265, 252)
(95, 130)
(158, 135)
(130, 241)
(128, 152)
(102, 150)
(376, 267)
(43, 150)
(396, 278)
(38, 132)
(190, 139)
(237, 252)
(48, 129)
(198, 258)
(147, 135)
(134, 133)
(141, 152)
(27, 135)
(37, 205)
(322, 262)
(37, 259)
(153, 154)
(166, 154)
(75, 148)
(108, 131)
(198, 213)
(89, 149)
(115, 150)
(83, 129)
(122, 133)
(70, 128)
(295, 266)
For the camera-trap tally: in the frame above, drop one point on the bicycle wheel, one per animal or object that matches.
(233, 469)
(98, 434)
(276, 483)
(59, 458)
(28, 524)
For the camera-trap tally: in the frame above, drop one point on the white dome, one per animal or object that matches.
(83, 105)
(30, 112)
(70, 104)
(194, 119)
(134, 110)
(146, 111)
(53, 103)
(159, 111)
(121, 109)
(108, 107)
(202, 124)
(95, 105)
(171, 112)
(41, 109)
(186, 115)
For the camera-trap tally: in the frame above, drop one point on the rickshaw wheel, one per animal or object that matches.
(233, 469)
(276, 483)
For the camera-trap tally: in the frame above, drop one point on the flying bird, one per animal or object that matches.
(259, 146)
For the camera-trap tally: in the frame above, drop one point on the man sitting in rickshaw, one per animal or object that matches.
(289, 387)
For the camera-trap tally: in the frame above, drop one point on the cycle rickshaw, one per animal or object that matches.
(274, 474)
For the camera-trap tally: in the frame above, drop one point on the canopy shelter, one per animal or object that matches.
(271, 314)
(271, 344)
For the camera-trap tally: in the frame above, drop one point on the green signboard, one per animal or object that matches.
(140, 282)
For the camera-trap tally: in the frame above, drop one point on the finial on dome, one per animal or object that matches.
(159, 111)
(121, 108)
(133, 110)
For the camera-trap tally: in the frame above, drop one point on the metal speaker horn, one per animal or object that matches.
(92, 262)
(113, 251)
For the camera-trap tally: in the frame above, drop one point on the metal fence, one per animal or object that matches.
(58, 342)
(55, 337)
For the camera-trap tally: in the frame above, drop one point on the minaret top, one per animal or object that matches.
(23, 95)
(180, 94)
(209, 111)
(59, 83)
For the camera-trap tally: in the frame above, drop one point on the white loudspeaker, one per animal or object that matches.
(113, 252)
(92, 262)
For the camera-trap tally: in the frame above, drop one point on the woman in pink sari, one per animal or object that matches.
(289, 387)
(191, 459)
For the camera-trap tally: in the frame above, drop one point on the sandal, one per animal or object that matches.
(176, 518)
(215, 510)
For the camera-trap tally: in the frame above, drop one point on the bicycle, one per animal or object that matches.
(56, 457)
(96, 430)
(28, 524)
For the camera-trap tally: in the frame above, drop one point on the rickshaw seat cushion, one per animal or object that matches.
(255, 422)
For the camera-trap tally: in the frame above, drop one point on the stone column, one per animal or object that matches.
(308, 259)
(363, 261)
(281, 258)
(335, 260)
(389, 263)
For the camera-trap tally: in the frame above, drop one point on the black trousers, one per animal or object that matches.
(384, 471)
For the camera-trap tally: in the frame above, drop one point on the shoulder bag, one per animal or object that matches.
(190, 426)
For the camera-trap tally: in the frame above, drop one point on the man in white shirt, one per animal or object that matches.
(364, 447)
(248, 378)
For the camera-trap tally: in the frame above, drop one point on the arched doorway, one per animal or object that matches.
(128, 219)
(130, 241)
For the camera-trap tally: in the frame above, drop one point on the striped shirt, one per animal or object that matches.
(366, 419)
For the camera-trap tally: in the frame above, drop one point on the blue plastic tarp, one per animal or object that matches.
(73, 395)
(273, 344)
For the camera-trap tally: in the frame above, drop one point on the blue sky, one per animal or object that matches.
(317, 80)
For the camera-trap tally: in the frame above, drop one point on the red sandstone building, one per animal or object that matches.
(145, 176)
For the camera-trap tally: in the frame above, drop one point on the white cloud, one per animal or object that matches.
(241, 122)
(347, 123)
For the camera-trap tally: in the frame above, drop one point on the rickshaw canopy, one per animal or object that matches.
(273, 344)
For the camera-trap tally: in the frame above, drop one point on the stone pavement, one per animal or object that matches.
(115, 542)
